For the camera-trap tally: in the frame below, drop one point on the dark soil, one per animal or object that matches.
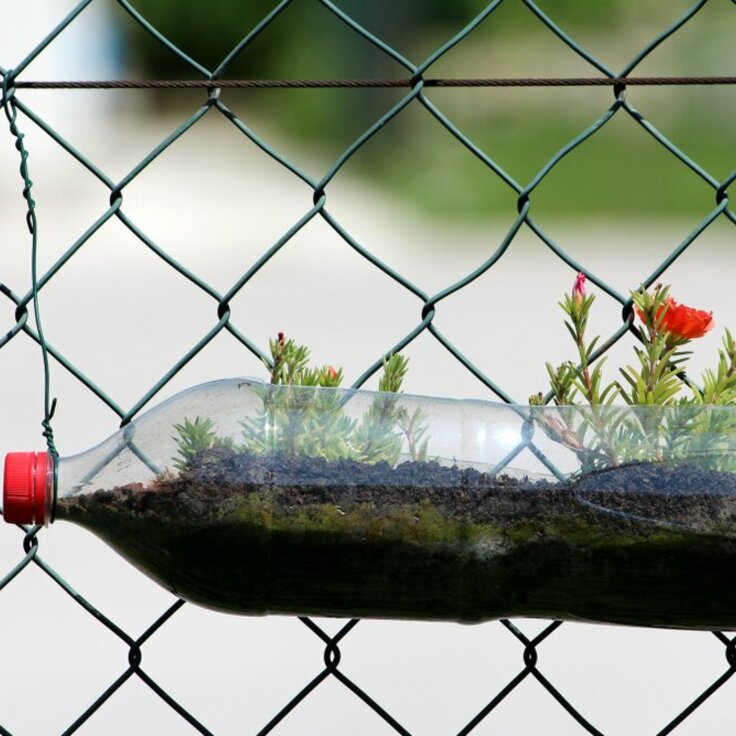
(641, 544)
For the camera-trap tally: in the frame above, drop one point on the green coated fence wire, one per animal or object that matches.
(11, 113)
(415, 87)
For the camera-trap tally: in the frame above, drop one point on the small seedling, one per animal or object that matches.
(194, 438)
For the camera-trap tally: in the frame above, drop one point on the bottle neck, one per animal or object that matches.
(117, 461)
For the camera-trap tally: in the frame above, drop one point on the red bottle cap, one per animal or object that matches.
(25, 499)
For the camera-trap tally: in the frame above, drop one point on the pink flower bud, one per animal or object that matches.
(578, 289)
(331, 372)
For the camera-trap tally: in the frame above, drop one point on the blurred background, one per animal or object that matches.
(519, 128)
(412, 196)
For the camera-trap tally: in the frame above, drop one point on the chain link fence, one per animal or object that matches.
(415, 91)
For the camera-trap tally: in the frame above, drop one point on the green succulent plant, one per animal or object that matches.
(294, 421)
(684, 422)
(196, 437)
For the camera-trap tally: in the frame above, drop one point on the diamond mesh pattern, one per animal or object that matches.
(20, 114)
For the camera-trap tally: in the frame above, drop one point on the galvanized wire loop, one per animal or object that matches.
(30, 540)
(135, 656)
(530, 656)
(731, 654)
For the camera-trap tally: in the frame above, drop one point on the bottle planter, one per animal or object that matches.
(508, 515)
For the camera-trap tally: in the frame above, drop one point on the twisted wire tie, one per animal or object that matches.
(11, 113)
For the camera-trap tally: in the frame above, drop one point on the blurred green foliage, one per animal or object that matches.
(620, 170)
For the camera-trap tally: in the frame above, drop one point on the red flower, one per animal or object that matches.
(331, 372)
(683, 321)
